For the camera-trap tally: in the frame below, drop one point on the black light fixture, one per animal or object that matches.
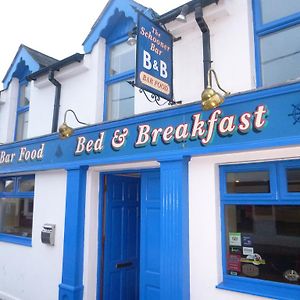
(184, 12)
(132, 36)
(65, 130)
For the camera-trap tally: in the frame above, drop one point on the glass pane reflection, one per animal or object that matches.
(263, 241)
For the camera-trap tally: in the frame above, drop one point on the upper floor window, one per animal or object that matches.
(16, 209)
(120, 68)
(277, 34)
(22, 112)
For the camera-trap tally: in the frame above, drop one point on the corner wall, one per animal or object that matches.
(34, 273)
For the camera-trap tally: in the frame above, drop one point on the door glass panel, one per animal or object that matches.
(293, 180)
(248, 182)
(280, 51)
(263, 242)
(277, 9)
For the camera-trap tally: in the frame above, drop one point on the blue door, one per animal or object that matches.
(121, 251)
(150, 236)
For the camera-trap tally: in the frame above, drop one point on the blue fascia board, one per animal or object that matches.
(281, 131)
(22, 55)
(107, 18)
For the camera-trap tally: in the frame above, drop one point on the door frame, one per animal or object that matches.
(101, 222)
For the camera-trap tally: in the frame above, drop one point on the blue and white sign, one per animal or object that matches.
(154, 70)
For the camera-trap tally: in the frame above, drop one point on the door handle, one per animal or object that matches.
(124, 264)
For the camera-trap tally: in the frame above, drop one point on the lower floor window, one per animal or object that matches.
(261, 228)
(16, 216)
(16, 207)
(263, 241)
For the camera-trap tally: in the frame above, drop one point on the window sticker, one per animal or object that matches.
(235, 239)
(250, 270)
(234, 263)
(235, 250)
(247, 240)
(255, 259)
(248, 251)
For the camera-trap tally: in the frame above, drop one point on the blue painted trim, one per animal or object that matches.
(283, 184)
(174, 247)
(100, 230)
(279, 291)
(269, 167)
(14, 239)
(261, 29)
(71, 287)
(22, 55)
(109, 16)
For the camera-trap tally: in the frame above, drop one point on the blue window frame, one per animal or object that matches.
(22, 111)
(260, 211)
(277, 34)
(120, 67)
(16, 209)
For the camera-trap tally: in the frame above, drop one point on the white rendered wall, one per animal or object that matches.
(8, 111)
(232, 50)
(34, 273)
(205, 227)
(82, 90)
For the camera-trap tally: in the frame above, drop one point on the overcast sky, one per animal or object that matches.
(56, 28)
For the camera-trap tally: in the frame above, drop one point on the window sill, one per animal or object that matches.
(20, 240)
(268, 289)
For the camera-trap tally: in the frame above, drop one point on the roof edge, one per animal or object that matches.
(77, 57)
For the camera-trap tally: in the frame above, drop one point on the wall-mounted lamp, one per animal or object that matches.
(210, 98)
(66, 131)
(132, 36)
(184, 12)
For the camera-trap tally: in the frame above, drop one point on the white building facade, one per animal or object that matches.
(147, 201)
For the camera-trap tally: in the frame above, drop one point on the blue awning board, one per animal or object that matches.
(114, 12)
(281, 129)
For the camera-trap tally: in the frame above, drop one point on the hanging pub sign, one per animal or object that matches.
(154, 68)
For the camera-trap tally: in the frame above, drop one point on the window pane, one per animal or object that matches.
(248, 182)
(122, 58)
(6, 185)
(276, 9)
(263, 242)
(26, 185)
(120, 101)
(280, 56)
(24, 96)
(22, 126)
(293, 180)
(16, 216)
